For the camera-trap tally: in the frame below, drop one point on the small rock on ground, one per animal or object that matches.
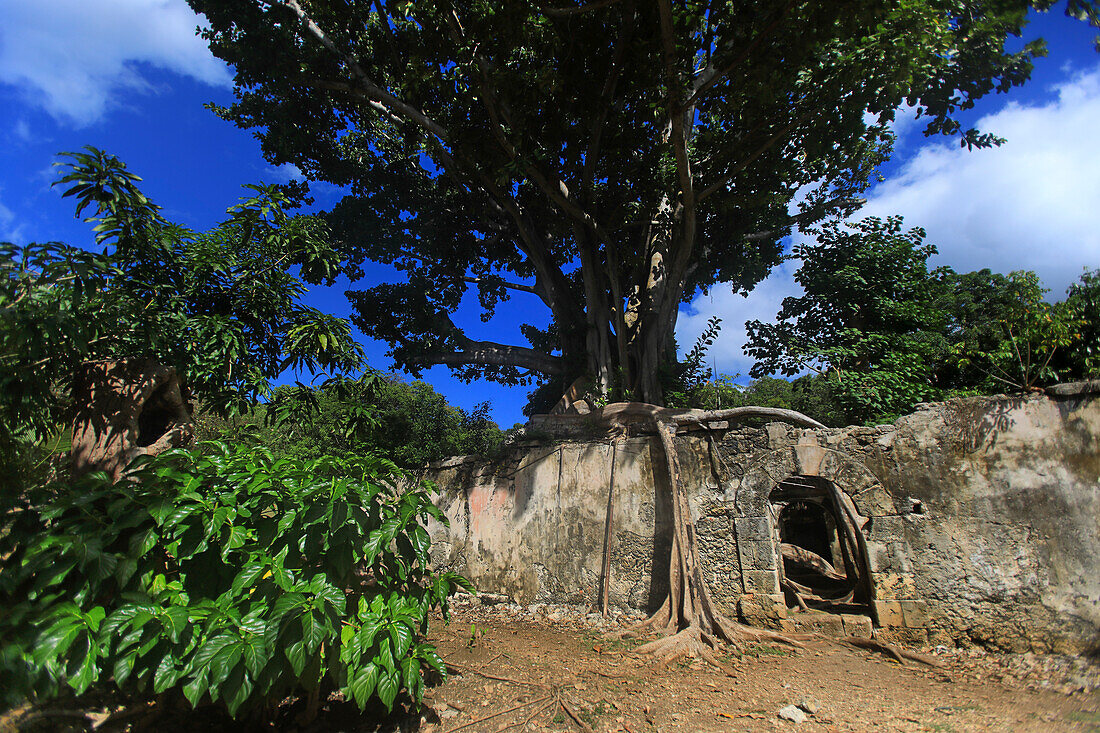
(793, 714)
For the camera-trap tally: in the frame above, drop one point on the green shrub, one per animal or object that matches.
(225, 575)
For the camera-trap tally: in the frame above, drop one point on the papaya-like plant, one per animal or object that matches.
(226, 576)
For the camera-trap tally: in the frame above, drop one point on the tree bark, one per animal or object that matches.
(126, 409)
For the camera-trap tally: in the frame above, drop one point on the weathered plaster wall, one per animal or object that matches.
(984, 519)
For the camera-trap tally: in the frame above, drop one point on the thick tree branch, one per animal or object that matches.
(494, 354)
(570, 12)
(475, 280)
(739, 414)
(380, 98)
(710, 77)
(763, 148)
(682, 249)
(607, 94)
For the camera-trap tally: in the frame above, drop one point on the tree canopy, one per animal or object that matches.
(409, 424)
(880, 331)
(609, 158)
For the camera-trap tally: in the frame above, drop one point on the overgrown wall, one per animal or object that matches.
(984, 519)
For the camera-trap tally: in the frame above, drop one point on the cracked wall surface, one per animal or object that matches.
(984, 519)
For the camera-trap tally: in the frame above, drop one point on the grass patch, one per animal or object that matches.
(1088, 717)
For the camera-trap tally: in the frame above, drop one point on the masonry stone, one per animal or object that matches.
(981, 518)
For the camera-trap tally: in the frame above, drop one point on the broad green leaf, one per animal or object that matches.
(363, 684)
(296, 655)
(402, 638)
(387, 688)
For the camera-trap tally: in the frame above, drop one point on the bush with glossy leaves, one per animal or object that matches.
(224, 575)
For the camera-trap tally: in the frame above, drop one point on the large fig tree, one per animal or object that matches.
(603, 160)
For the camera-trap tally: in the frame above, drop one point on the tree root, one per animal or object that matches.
(894, 652)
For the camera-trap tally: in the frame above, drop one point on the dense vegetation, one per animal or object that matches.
(225, 576)
(602, 160)
(221, 574)
(878, 331)
(222, 308)
(409, 424)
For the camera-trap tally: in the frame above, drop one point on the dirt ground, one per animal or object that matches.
(554, 669)
(609, 688)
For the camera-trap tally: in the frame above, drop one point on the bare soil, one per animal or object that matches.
(547, 669)
(609, 688)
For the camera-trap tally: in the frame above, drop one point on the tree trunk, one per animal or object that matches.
(688, 615)
(125, 409)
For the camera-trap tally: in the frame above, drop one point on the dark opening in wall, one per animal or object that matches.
(155, 418)
(823, 563)
(803, 523)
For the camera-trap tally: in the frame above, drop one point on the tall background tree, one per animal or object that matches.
(876, 330)
(610, 158)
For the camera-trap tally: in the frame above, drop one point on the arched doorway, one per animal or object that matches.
(823, 555)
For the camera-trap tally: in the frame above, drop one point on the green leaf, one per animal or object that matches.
(313, 632)
(175, 620)
(194, 689)
(165, 675)
(432, 659)
(297, 656)
(87, 673)
(363, 684)
(222, 663)
(402, 638)
(236, 691)
(246, 576)
(410, 674)
(387, 688)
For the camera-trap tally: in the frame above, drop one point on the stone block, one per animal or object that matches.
(879, 557)
(856, 625)
(809, 458)
(761, 581)
(889, 613)
(762, 605)
(904, 636)
(778, 434)
(887, 529)
(762, 610)
(752, 528)
(894, 586)
(756, 554)
(915, 614)
(899, 557)
(828, 624)
(876, 502)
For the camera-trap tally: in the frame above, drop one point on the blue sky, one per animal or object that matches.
(130, 76)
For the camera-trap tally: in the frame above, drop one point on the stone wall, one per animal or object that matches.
(983, 519)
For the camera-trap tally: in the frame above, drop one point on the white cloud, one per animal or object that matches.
(285, 173)
(10, 229)
(73, 57)
(1030, 204)
(23, 131)
(734, 309)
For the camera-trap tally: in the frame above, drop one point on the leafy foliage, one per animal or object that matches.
(610, 158)
(223, 307)
(410, 424)
(225, 575)
(869, 318)
(1083, 302)
(1019, 349)
(881, 332)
